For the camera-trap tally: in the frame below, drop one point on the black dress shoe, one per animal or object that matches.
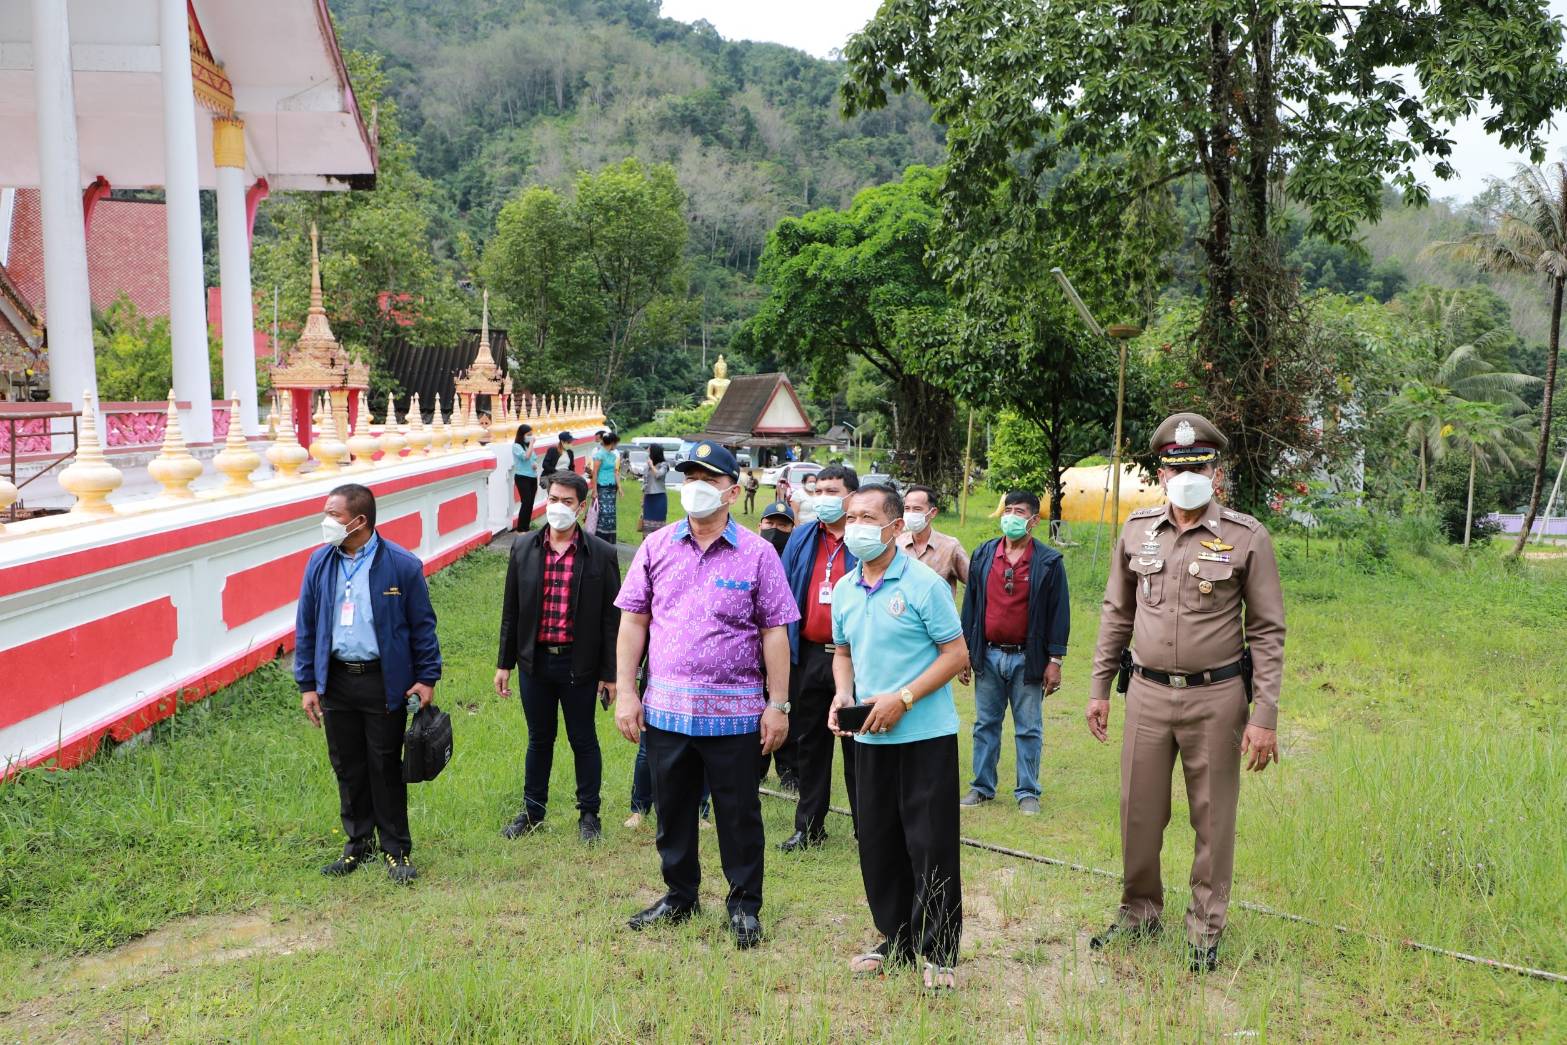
(589, 829)
(1203, 959)
(522, 825)
(747, 929)
(346, 864)
(400, 870)
(664, 912)
(790, 784)
(1130, 933)
(800, 840)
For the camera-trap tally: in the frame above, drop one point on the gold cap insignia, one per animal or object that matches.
(704, 450)
(1185, 434)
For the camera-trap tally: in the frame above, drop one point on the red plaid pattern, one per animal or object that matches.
(555, 628)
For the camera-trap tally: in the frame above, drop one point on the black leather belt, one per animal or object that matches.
(825, 647)
(1201, 678)
(558, 650)
(358, 667)
(1009, 647)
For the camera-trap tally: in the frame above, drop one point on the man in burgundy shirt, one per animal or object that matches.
(814, 560)
(558, 624)
(1016, 618)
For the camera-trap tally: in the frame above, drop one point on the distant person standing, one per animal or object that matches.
(559, 458)
(655, 495)
(815, 559)
(1017, 619)
(898, 645)
(776, 524)
(365, 643)
(920, 539)
(708, 601)
(1194, 591)
(525, 474)
(752, 484)
(803, 499)
(604, 466)
(558, 627)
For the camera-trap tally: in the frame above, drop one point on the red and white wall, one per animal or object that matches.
(107, 626)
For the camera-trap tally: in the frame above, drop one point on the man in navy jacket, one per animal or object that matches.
(1016, 619)
(364, 644)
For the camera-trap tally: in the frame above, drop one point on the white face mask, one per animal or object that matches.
(334, 532)
(700, 499)
(914, 522)
(1189, 490)
(559, 516)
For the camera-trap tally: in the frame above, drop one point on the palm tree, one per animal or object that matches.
(1494, 438)
(1529, 236)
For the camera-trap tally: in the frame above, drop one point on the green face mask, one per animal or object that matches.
(1014, 526)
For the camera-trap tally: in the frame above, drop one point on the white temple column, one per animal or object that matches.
(67, 300)
(182, 207)
(239, 324)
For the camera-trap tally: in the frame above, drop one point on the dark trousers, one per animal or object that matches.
(549, 694)
(909, 846)
(642, 783)
(527, 490)
(364, 742)
(730, 765)
(811, 690)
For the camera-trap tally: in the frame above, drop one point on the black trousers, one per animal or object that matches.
(811, 690)
(527, 490)
(730, 766)
(549, 694)
(365, 744)
(909, 846)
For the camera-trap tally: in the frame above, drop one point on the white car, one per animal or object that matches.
(796, 472)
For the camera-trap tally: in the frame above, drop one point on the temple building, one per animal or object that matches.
(181, 95)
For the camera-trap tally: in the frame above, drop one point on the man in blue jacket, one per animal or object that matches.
(1016, 619)
(814, 560)
(365, 643)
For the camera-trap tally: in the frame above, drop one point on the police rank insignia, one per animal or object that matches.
(1185, 434)
(1217, 545)
(897, 604)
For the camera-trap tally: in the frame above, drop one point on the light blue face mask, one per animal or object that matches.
(829, 509)
(864, 540)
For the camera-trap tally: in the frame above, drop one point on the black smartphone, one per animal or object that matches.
(852, 719)
(604, 700)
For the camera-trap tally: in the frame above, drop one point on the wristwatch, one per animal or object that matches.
(908, 697)
(1058, 661)
(784, 707)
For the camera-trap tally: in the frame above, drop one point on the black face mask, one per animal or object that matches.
(778, 538)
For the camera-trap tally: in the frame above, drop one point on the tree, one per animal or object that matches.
(538, 267)
(845, 285)
(1494, 439)
(1266, 101)
(134, 355)
(633, 236)
(1529, 235)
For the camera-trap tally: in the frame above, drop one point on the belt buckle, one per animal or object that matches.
(354, 667)
(1177, 681)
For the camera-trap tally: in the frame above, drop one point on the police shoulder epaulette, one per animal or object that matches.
(1144, 513)
(1240, 517)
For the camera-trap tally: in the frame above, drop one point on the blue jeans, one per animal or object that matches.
(642, 783)
(1000, 684)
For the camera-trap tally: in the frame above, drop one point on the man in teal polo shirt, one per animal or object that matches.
(900, 644)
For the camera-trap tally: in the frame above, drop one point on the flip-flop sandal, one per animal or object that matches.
(935, 974)
(869, 956)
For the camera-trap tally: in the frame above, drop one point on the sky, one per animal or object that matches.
(821, 26)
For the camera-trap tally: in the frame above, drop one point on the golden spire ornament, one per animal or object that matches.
(174, 468)
(90, 477)
(328, 448)
(237, 460)
(393, 440)
(285, 454)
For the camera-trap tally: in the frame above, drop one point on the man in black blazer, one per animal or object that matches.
(559, 623)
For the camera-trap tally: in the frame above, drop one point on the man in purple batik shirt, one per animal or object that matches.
(707, 600)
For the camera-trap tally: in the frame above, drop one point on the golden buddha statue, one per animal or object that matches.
(720, 382)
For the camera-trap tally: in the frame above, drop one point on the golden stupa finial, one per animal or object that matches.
(316, 300)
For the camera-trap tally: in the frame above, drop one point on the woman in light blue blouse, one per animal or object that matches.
(525, 473)
(605, 463)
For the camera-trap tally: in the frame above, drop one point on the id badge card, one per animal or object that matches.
(824, 594)
(345, 616)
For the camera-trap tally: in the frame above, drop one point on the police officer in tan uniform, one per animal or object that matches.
(1193, 586)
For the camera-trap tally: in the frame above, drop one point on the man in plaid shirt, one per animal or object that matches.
(558, 625)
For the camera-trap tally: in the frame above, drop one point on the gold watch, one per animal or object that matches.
(908, 697)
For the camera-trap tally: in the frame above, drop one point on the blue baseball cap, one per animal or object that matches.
(713, 457)
(778, 508)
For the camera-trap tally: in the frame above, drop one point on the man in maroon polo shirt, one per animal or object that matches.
(1016, 619)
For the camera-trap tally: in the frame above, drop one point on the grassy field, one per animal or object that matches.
(170, 890)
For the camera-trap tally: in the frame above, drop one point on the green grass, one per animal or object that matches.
(170, 890)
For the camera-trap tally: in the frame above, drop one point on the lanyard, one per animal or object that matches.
(827, 575)
(348, 575)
